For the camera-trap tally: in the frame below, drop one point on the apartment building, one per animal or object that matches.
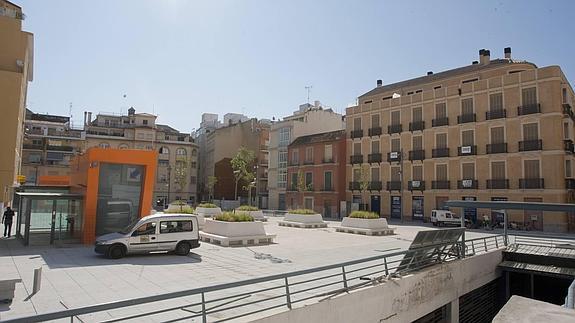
(308, 119)
(498, 129)
(316, 173)
(16, 70)
(50, 142)
(223, 143)
(177, 151)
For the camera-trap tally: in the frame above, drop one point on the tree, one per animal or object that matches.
(242, 166)
(181, 173)
(212, 180)
(364, 181)
(301, 184)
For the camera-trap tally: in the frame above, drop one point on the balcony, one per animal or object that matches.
(356, 159)
(568, 111)
(293, 163)
(528, 109)
(497, 184)
(394, 185)
(33, 146)
(328, 160)
(570, 183)
(467, 184)
(376, 131)
(354, 186)
(308, 162)
(496, 114)
(496, 148)
(440, 152)
(393, 156)
(417, 154)
(440, 185)
(374, 158)
(356, 133)
(467, 150)
(394, 128)
(440, 122)
(465, 118)
(531, 183)
(60, 148)
(327, 189)
(67, 134)
(568, 145)
(529, 145)
(416, 185)
(416, 125)
(375, 186)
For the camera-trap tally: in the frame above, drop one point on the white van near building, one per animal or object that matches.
(159, 232)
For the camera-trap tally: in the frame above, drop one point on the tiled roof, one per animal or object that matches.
(319, 137)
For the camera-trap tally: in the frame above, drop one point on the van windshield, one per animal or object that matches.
(130, 227)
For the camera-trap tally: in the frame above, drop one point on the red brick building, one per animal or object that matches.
(316, 173)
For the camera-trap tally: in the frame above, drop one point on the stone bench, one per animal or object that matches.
(302, 224)
(368, 232)
(237, 241)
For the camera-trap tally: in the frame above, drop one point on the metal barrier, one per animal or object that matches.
(241, 299)
(541, 240)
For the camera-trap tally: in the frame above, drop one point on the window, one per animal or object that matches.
(145, 229)
(123, 146)
(375, 174)
(496, 102)
(568, 170)
(145, 122)
(441, 140)
(531, 168)
(295, 156)
(441, 172)
(375, 120)
(193, 180)
(497, 135)
(309, 154)
(175, 226)
(529, 96)
(530, 131)
(194, 164)
(395, 144)
(282, 169)
(328, 152)
(357, 124)
(308, 179)
(194, 152)
(395, 117)
(395, 174)
(308, 203)
(566, 134)
(181, 152)
(284, 137)
(357, 148)
(467, 106)
(104, 145)
(357, 175)
(498, 170)
(375, 147)
(440, 111)
(564, 95)
(417, 173)
(467, 138)
(293, 184)
(327, 181)
(34, 158)
(417, 143)
(468, 170)
(417, 114)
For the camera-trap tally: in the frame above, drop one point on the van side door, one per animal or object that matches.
(144, 238)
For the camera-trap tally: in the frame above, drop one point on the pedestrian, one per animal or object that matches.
(7, 220)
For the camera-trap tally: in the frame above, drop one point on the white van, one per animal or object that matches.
(159, 232)
(444, 217)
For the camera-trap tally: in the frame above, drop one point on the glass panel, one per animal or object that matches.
(468, 170)
(375, 174)
(417, 143)
(531, 168)
(375, 121)
(498, 170)
(395, 144)
(328, 153)
(357, 124)
(440, 111)
(417, 115)
(441, 140)
(467, 138)
(496, 102)
(395, 117)
(497, 135)
(357, 148)
(418, 173)
(529, 96)
(467, 106)
(441, 172)
(327, 180)
(375, 147)
(395, 174)
(530, 131)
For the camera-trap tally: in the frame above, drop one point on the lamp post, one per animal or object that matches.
(169, 181)
(237, 178)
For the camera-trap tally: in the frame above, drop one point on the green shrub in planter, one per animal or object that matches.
(247, 208)
(364, 215)
(208, 205)
(302, 211)
(184, 210)
(234, 217)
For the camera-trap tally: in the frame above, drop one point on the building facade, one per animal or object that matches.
(309, 119)
(176, 174)
(316, 173)
(497, 129)
(16, 70)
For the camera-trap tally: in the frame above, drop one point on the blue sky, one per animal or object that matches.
(180, 58)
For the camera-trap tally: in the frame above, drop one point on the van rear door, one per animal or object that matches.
(173, 231)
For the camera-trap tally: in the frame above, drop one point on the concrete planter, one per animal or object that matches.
(303, 221)
(365, 226)
(208, 212)
(174, 208)
(235, 233)
(257, 215)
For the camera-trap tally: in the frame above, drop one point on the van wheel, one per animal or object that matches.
(183, 249)
(116, 252)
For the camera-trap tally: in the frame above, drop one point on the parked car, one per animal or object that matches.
(445, 217)
(176, 233)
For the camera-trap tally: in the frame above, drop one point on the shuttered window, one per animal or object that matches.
(357, 124)
(441, 140)
(566, 134)
(529, 96)
(440, 111)
(356, 175)
(467, 138)
(375, 120)
(441, 172)
(568, 170)
(531, 168)
(498, 170)
(417, 114)
(417, 143)
(395, 174)
(530, 131)
(375, 147)
(395, 117)
(468, 170)
(375, 174)
(395, 144)
(497, 135)
(467, 106)
(328, 152)
(357, 148)
(496, 102)
(417, 173)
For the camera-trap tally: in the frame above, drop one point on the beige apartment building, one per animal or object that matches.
(177, 151)
(307, 120)
(16, 70)
(498, 129)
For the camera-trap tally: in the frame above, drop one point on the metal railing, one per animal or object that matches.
(242, 299)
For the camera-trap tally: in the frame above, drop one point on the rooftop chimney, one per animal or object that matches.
(89, 118)
(484, 56)
(507, 52)
(379, 83)
(429, 73)
(85, 116)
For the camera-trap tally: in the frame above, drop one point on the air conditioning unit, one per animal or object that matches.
(394, 155)
(466, 150)
(415, 184)
(467, 183)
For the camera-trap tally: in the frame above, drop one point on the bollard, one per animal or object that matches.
(37, 280)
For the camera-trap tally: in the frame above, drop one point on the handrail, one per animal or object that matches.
(389, 264)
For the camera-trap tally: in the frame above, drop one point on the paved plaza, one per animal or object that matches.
(75, 276)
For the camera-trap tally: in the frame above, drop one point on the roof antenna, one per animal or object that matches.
(308, 88)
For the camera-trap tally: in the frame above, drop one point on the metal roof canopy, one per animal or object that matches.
(49, 196)
(506, 205)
